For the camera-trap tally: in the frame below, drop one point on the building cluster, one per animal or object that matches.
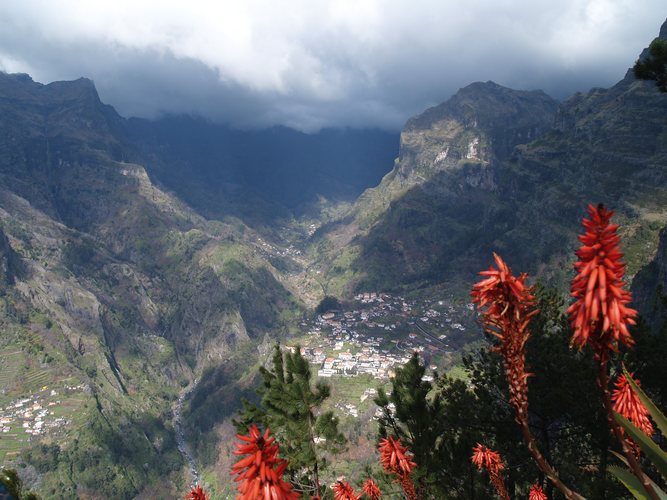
(378, 333)
(270, 250)
(35, 414)
(381, 332)
(368, 359)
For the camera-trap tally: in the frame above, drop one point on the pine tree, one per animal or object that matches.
(436, 421)
(289, 405)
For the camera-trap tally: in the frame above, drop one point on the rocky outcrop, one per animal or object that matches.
(649, 288)
(10, 263)
(482, 123)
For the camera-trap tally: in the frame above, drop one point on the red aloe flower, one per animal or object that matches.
(260, 473)
(197, 493)
(393, 456)
(600, 315)
(343, 491)
(536, 493)
(508, 305)
(371, 489)
(628, 404)
(395, 460)
(485, 458)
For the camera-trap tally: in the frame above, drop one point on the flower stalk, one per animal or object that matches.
(600, 314)
(626, 447)
(343, 491)
(537, 493)
(507, 306)
(197, 493)
(395, 459)
(371, 489)
(487, 459)
(627, 403)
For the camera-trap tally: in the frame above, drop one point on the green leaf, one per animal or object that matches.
(630, 481)
(657, 416)
(648, 446)
(656, 488)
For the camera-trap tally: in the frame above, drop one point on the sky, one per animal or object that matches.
(309, 64)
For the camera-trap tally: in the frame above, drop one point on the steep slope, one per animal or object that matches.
(113, 286)
(649, 288)
(446, 173)
(463, 191)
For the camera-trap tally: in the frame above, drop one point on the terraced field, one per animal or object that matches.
(35, 403)
(10, 361)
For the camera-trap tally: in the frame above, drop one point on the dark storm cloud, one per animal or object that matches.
(309, 64)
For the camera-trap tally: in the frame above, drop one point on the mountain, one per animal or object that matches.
(494, 169)
(115, 294)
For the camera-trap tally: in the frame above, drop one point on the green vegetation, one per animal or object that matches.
(112, 285)
(654, 67)
(77, 254)
(328, 303)
(441, 421)
(289, 404)
(14, 486)
(216, 397)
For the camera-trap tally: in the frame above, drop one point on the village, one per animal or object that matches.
(382, 331)
(366, 341)
(37, 414)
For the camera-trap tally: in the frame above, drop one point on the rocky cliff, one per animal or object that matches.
(649, 288)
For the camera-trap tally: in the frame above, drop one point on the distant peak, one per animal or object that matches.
(74, 89)
(630, 74)
(486, 86)
(21, 77)
(79, 83)
(83, 81)
(491, 87)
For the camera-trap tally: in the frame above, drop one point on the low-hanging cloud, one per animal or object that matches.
(310, 64)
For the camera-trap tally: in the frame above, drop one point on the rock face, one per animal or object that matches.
(482, 123)
(110, 280)
(64, 166)
(649, 288)
(263, 175)
(10, 263)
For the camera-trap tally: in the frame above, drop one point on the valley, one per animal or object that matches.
(147, 267)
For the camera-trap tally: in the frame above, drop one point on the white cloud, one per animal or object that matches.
(319, 63)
